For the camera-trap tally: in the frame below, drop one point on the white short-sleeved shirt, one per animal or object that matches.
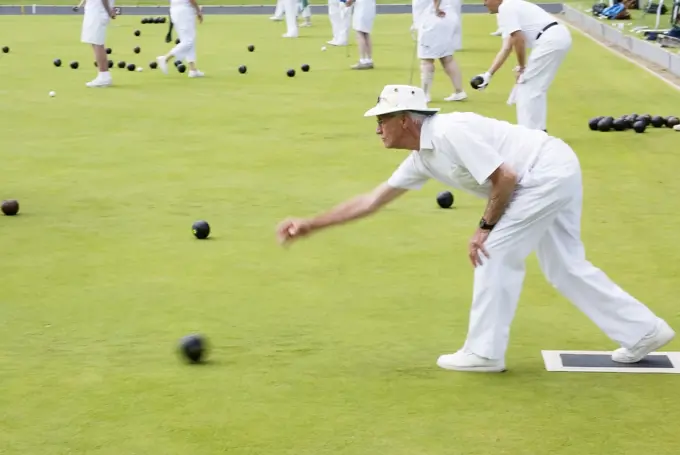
(425, 8)
(96, 7)
(521, 15)
(177, 3)
(462, 149)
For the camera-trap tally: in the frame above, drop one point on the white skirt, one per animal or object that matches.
(364, 15)
(94, 28)
(436, 36)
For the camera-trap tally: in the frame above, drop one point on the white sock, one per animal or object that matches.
(426, 81)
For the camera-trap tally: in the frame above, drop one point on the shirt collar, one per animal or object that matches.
(426, 134)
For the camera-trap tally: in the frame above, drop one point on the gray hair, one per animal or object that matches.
(417, 117)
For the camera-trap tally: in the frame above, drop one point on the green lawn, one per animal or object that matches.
(328, 347)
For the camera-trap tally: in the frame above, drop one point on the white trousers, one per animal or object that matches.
(545, 216)
(532, 93)
(341, 21)
(306, 12)
(290, 8)
(278, 12)
(184, 20)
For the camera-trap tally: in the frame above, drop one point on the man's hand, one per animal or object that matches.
(519, 71)
(112, 13)
(440, 13)
(477, 247)
(352, 209)
(291, 229)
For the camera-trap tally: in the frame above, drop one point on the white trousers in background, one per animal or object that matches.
(545, 216)
(94, 27)
(457, 11)
(364, 15)
(290, 8)
(278, 12)
(341, 21)
(531, 94)
(184, 20)
(305, 11)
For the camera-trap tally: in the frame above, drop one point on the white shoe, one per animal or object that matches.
(276, 18)
(456, 97)
(196, 73)
(100, 82)
(497, 33)
(464, 360)
(305, 24)
(660, 336)
(162, 64)
(336, 43)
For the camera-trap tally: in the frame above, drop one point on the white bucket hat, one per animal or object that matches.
(397, 98)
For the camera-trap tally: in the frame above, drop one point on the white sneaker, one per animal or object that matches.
(100, 82)
(276, 18)
(464, 360)
(162, 64)
(660, 336)
(336, 43)
(456, 97)
(288, 35)
(497, 33)
(305, 24)
(196, 73)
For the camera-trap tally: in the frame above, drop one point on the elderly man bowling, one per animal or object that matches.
(533, 189)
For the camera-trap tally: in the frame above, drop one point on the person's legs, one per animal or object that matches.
(306, 13)
(543, 194)
(290, 9)
(452, 70)
(365, 51)
(362, 21)
(278, 12)
(344, 24)
(620, 316)
(542, 66)
(101, 58)
(426, 76)
(185, 24)
(94, 33)
(334, 18)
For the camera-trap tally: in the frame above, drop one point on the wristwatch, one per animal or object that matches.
(485, 226)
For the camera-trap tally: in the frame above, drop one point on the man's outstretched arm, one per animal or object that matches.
(352, 209)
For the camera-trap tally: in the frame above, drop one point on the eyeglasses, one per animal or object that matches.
(381, 119)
